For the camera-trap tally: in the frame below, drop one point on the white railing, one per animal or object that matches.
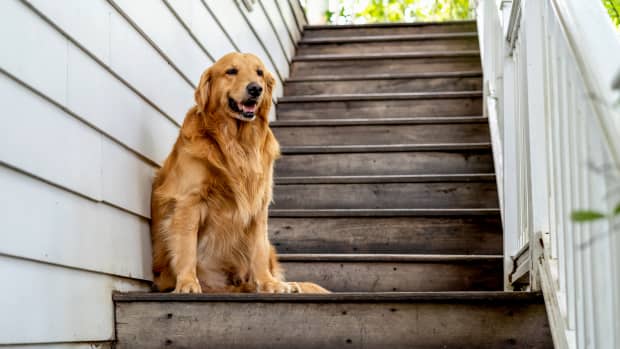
(549, 73)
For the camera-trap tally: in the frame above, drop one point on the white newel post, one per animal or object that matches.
(537, 114)
(511, 233)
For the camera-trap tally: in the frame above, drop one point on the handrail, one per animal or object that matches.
(551, 84)
(588, 39)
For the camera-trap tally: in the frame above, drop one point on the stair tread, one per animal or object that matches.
(424, 75)
(310, 149)
(386, 212)
(380, 96)
(386, 55)
(392, 37)
(417, 178)
(383, 257)
(341, 297)
(381, 121)
(386, 25)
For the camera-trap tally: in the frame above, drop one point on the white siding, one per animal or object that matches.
(93, 93)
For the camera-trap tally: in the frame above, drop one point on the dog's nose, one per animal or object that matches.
(254, 89)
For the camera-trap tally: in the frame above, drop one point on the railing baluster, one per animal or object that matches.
(555, 106)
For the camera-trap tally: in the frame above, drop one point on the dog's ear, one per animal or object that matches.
(265, 105)
(202, 91)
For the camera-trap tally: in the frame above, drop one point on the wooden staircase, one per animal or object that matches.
(385, 195)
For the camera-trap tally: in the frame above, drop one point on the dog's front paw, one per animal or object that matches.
(189, 285)
(275, 286)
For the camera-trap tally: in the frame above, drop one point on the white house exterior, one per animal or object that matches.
(93, 94)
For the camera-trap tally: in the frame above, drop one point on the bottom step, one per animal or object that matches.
(346, 320)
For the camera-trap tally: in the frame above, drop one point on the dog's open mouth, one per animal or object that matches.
(245, 109)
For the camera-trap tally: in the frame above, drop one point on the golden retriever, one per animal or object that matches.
(210, 199)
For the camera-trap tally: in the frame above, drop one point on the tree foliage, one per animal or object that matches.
(377, 11)
(613, 8)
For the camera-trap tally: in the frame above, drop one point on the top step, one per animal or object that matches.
(322, 31)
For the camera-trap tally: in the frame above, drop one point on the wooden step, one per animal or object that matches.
(322, 31)
(384, 212)
(396, 273)
(384, 83)
(389, 43)
(395, 161)
(325, 149)
(385, 63)
(404, 194)
(408, 234)
(379, 105)
(359, 132)
(474, 320)
(417, 178)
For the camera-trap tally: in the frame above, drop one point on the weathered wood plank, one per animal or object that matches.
(349, 273)
(386, 43)
(382, 134)
(460, 235)
(385, 163)
(386, 195)
(383, 29)
(344, 84)
(449, 106)
(493, 322)
(356, 65)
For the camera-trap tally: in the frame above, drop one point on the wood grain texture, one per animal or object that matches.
(388, 44)
(432, 178)
(386, 195)
(374, 30)
(393, 276)
(382, 134)
(396, 64)
(432, 235)
(385, 163)
(397, 84)
(492, 323)
(465, 106)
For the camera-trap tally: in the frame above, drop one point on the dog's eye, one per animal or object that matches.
(259, 72)
(232, 71)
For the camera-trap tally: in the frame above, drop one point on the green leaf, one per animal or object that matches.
(617, 209)
(586, 215)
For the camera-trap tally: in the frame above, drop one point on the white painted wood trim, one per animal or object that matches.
(50, 304)
(68, 230)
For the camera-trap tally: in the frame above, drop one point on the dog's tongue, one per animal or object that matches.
(247, 108)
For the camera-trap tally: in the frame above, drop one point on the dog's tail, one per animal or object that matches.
(309, 287)
(300, 287)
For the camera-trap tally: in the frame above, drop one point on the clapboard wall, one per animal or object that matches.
(92, 96)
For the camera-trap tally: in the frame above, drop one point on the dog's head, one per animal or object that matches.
(237, 85)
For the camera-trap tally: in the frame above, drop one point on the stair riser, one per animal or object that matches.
(386, 195)
(382, 134)
(416, 235)
(329, 326)
(393, 276)
(473, 83)
(432, 45)
(396, 163)
(380, 108)
(423, 29)
(384, 66)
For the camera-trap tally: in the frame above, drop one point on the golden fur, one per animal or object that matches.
(210, 199)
